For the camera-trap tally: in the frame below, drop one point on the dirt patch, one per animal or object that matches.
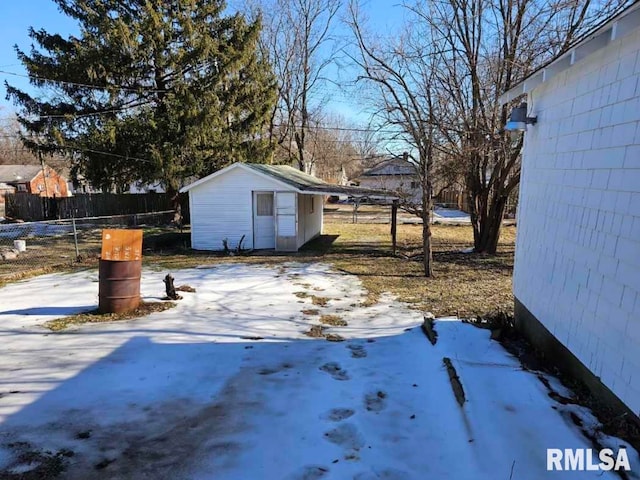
(334, 337)
(172, 436)
(316, 331)
(94, 316)
(32, 464)
(333, 320)
(311, 311)
(319, 301)
(186, 288)
(301, 294)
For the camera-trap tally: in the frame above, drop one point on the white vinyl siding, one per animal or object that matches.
(223, 208)
(309, 217)
(577, 267)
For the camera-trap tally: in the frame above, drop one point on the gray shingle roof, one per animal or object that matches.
(288, 174)
(13, 173)
(308, 183)
(394, 166)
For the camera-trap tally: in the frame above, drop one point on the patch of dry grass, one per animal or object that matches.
(463, 284)
(310, 311)
(94, 316)
(319, 301)
(333, 320)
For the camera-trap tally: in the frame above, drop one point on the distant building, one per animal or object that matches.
(397, 176)
(34, 180)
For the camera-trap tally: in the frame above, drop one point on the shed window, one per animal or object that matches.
(312, 205)
(22, 187)
(264, 204)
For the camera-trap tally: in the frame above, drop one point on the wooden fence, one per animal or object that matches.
(454, 199)
(32, 208)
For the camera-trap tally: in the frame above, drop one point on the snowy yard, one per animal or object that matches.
(227, 386)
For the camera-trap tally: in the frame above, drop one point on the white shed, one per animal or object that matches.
(577, 266)
(272, 206)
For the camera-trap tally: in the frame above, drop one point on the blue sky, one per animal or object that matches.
(17, 16)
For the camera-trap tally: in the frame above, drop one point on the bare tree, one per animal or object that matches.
(14, 152)
(297, 39)
(483, 48)
(440, 78)
(401, 71)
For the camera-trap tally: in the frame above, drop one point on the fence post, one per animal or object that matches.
(75, 237)
(394, 224)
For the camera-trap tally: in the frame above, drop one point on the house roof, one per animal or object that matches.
(295, 179)
(610, 29)
(15, 173)
(393, 166)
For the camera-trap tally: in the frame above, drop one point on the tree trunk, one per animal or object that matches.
(426, 228)
(488, 232)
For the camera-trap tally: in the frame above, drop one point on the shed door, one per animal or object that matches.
(286, 220)
(264, 230)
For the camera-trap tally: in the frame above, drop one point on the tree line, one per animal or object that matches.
(171, 90)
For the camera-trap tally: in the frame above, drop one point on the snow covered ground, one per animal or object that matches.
(450, 215)
(227, 386)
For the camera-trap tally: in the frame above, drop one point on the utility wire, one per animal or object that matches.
(77, 84)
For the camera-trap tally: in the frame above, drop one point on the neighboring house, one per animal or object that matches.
(577, 265)
(32, 180)
(272, 206)
(395, 175)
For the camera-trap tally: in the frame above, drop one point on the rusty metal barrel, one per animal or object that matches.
(119, 285)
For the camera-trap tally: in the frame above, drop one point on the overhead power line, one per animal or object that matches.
(342, 129)
(86, 85)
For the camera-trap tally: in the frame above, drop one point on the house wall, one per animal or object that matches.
(52, 185)
(309, 219)
(577, 267)
(393, 183)
(223, 208)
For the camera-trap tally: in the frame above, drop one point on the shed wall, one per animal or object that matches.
(309, 219)
(577, 266)
(223, 208)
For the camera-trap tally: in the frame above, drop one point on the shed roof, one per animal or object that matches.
(297, 180)
(610, 29)
(15, 173)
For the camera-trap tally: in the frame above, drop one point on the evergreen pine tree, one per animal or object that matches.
(149, 90)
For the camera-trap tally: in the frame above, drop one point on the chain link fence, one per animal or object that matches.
(42, 246)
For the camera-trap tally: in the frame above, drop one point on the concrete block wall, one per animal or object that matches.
(577, 266)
